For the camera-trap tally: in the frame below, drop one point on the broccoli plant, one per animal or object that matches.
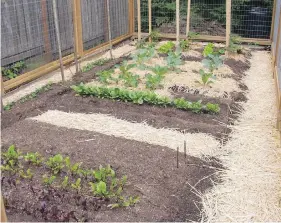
(212, 62)
(159, 70)
(166, 48)
(174, 60)
(153, 81)
(143, 55)
(105, 76)
(206, 78)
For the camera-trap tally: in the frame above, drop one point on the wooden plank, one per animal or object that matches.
(228, 23)
(139, 20)
(273, 18)
(3, 211)
(178, 21)
(149, 19)
(188, 17)
(263, 42)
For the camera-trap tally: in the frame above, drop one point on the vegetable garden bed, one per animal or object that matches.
(171, 92)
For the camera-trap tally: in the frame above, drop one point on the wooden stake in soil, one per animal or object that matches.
(184, 147)
(75, 37)
(228, 24)
(3, 211)
(58, 38)
(149, 19)
(177, 157)
(178, 21)
(139, 20)
(109, 29)
(188, 17)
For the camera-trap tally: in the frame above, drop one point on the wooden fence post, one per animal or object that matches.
(149, 19)
(272, 21)
(131, 16)
(77, 22)
(139, 20)
(188, 17)
(3, 211)
(178, 21)
(46, 37)
(228, 24)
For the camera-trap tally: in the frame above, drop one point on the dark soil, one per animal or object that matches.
(165, 194)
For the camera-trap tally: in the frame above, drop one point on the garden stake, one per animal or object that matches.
(109, 29)
(58, 37)
(178, 157)
(184, 151)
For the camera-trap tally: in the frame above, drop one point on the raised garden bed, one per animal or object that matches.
(165, 190)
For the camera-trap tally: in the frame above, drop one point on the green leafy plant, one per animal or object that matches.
(91, 65)
(77, 184)
(103, 172)
(56, 163)
(206, 78)
(99, 189)
(184, 44)
(153, 81)
(213, 108)
(35, 93)
(11, 158)
(174, 60)
(154, 35)
(65, 181)
(137, 97)
(167, 47)
(13, 70)
(48, 181)
(34, 158)
(212, 62)
(129, 79)
(27, 175)
(235, 44)
(208, 50)
(105, 76)
(159, 70)
(126, 203)
(143, 55)
(9, 106)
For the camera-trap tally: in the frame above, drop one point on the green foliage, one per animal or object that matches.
(153, 81)
(126, 203)
(34, 158)
(74, 169)
(77, 184)
(56, 163)
(91, 65)
(208, 50)
(213, 108)
(235, 44)
(105, 76)
(154, 35)
(192, 35)
(159, 70)
(137, 97)
(9, 106)
(167, 47)
(143, 55)
(103, 172)
(174, 60)
(212, 62)
(205, 78)
(184, 44)
(129, 79)
(35, 93)
(27, 175)
(99, 189)
(11, 159)
(65, 181)
(13, 70)
(48, 181)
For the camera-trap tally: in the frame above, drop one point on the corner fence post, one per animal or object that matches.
(178, 21)
(188, 17)
(139, 21)
(228, 24)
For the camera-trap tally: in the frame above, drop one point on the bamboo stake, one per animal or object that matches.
(3, 212)
(228, 24)
(149, 19)
(139, 20)
(188, 17)
(109, 29)
(177, 157)
(178, 20)
(58, 38)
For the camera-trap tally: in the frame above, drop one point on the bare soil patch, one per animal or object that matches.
(152, 174)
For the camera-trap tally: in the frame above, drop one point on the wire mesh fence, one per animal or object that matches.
(29, 36)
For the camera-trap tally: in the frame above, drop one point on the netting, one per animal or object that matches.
(29, 37)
